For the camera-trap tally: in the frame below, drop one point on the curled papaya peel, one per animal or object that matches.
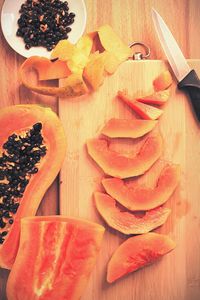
(47, 69)
(73, 84)
(78, 64)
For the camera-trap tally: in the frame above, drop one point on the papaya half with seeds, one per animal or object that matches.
(127, 222)
(124, 166)
(137, 252)
(33, 147)
(124, 128)
(135, 197)
(55, 258)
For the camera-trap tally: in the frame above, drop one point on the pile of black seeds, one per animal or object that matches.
(17, 164)
(44, 22)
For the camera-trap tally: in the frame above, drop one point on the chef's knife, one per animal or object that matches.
(187, 78)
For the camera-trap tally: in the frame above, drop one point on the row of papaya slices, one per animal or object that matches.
(130, 207)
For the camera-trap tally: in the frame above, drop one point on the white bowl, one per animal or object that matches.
(10, 14)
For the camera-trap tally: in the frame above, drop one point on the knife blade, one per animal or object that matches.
(187, 78)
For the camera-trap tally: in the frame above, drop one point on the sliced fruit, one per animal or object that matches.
(137, 252)
(94, 70)
(123, 128)
(33, 147)
(158, 98)
(135, 197)
(121, 166)
(55, 258)
(112, 43)
(127, 222)
(146, 112)
(163, 81)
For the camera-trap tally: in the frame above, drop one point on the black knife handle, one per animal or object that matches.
(191, 84)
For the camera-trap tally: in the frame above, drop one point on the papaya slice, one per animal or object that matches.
(94, 70)
(127, 222)
(163, 81)
(146, 112)
(112, 43)
(137, 252)
(55, 258)
(32, 147)
(124, 166)
(158, 98)
(123, 128)
(135, 197)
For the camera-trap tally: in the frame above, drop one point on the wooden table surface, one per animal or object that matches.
(131, 19)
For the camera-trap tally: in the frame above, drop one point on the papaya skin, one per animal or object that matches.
(74, 85)
(47, 69)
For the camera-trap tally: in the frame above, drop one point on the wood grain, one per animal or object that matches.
(176, 276)
(131, 19)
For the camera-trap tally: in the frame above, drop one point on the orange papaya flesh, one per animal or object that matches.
(124, 166)
(30, 160)
(136, 197)
(163, 81)
(127, 222)
(137, 252)
(145, 111)
(55, 258)
(124, 128)
(158, 98)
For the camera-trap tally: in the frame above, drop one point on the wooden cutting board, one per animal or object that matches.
(177, 275)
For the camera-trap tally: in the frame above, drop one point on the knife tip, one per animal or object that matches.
(153, 11)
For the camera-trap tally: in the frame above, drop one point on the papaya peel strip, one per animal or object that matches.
(74, 85)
